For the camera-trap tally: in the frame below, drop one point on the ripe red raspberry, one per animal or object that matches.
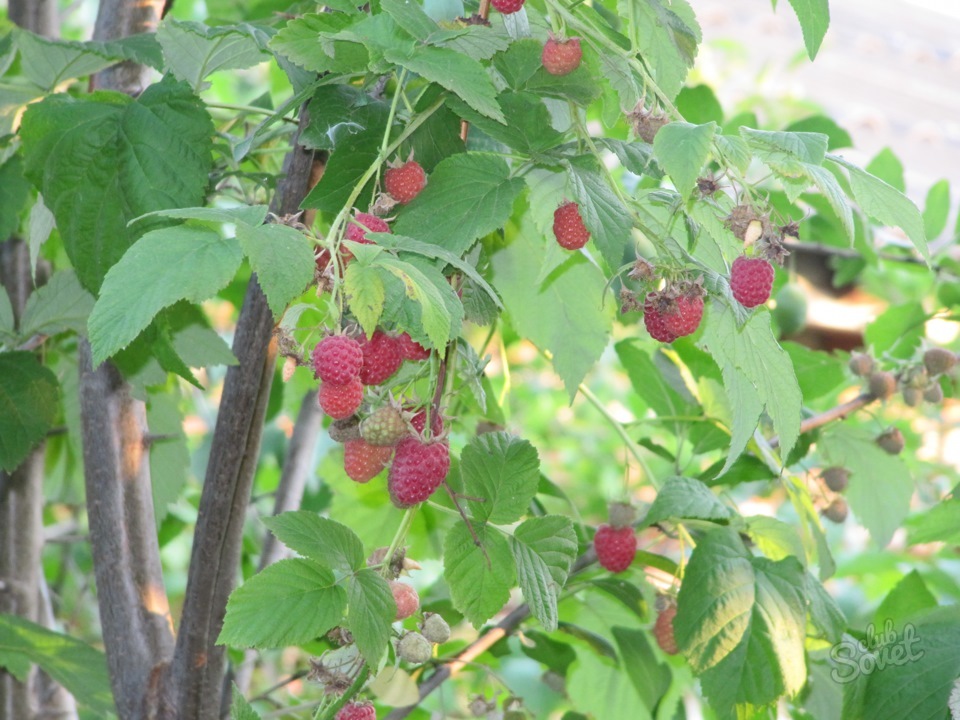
(340, 401)
(751, 280)
(568, 227)
(507, 7)
(663, 631)
(616, 547)
(357, 711)
(419, 422)
(654, 320)
(410, 349)
(561, 57)
(686, 319)
(404, 183)
(337, 359)
(406, 598)
(381, 358)
(418, 469)
(363, 461)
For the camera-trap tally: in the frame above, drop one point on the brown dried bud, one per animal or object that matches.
(621, 514)
(342, 431)
(912, 396)
(642, 271)
(837, 510)
(891, 441)
(883, 385)
(860, 364)
(933, 393)
(645, 123)
(939, 361)
(836, 478)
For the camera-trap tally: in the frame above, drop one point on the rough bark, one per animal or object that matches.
(198, 664)
(37, 16)
(117, 19)
(293, 480)
(134, 613)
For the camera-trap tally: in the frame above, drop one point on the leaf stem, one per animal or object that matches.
(632, 447)
(405, 524)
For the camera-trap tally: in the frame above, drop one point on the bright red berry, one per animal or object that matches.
(751, 280)
(381, 358)
(507, 7)
(410, 349)
(406, 598)
(654, 320)
(663, 630)
(568, 227)
(340, 401)
(418, 469)
(686, 319)
(404, 183)
(561, 57)
(337, 359)
(357, 711)
(616, 547)
(363, 461)
(419, 422)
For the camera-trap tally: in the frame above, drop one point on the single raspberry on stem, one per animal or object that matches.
(561, 56)
(337, 359)
(568, 227)
(405, 182)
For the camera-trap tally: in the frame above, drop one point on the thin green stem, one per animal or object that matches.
(250, 109)
(632, 447)
(328, 712)
(393, 112)
(399, 537)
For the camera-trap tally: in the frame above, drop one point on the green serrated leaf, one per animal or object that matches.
(194, 51)
(786, 153)
(880, 484)
(741, 622)
(886, 204)
(544, 549)
(757, 375)
(105, 159)
(469, 195)
(307, 41)
(240, 709)
(365, 294)
(8, 329)
(775, 539)
(59, 306)
(687, 499)
(476, 41)
(325, 541)
(666, 34)
(410, 16)
(371, 611)
(909, 597)
(480, 578)
(290, 602)
(241, 215)
(814, 17)
(164, 266)
(939, 523)
(528, 128)
(828, 185)
(14, 191)
(282, 257)
(434, 314)
(504, 471)
(78, 667)
(47, 62)
(28, 406)
(824, 611)
(603, 213)
(682, 149)
(564, 315)
(457, 73)
(936, 209)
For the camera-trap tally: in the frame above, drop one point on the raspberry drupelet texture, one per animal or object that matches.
(337, 359)
(751, 280)
(561, 57)
(363, 461)
(340, 401)
(568, 227)
(418, 469)
(404, 183)
(616, 547)
(381, 358)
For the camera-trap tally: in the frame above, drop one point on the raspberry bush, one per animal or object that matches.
(510, 278)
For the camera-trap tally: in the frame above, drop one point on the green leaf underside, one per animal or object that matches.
(326, 542)
(544, 549)
(685, 498)
(282, 258)
(478, 589)
(682, 149)
(814, 17)
(290, 602)
(28, 406)
(106, 159)
(504, 471)
(741, 622)
(370, 612)
(164, 266)
(757, 375)
(79, 668)
(59, 306)
(880, 484)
